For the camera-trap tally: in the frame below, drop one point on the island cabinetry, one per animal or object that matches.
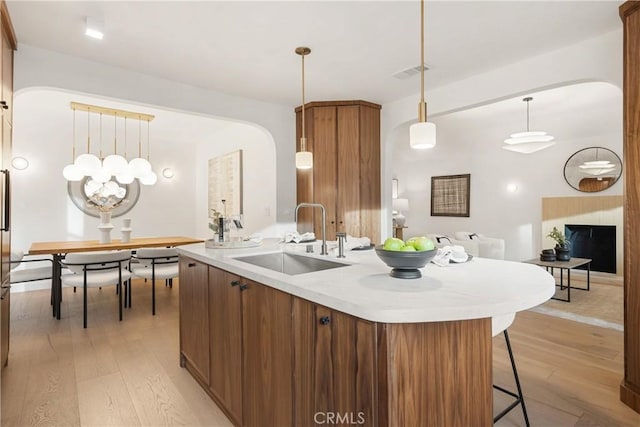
(334, 367)
(267, 356)
(194, 318)
(344, 137)
(225, 326)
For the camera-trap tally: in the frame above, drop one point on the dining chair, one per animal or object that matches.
(97, 269)
(500, 324)
(155, 263)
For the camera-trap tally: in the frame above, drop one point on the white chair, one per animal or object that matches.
(97, 269)
(501, 324)
(155, 263)
(30, 274)
(488, 247)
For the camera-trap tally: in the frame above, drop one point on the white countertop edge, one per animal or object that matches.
(223, 259)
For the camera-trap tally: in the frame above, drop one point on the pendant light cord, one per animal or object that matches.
(303, 141)
(528, 115)
(88, 131)
(422, 51)
(73, 148)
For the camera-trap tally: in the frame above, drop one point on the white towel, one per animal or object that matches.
(298, 238)
(356, 242)
(448, 254)
(255, 237)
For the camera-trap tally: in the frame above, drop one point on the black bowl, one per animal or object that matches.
(405, 265)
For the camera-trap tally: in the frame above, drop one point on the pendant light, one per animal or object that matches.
(304, 158)
(530, 141)
(422, 135)
(102, 169)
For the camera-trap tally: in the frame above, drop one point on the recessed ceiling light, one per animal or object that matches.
(94, 29)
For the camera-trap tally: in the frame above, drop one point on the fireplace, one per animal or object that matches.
(597, 242)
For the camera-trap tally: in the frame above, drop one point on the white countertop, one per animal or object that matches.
(477, 289)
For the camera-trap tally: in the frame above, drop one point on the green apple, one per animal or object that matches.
(392, 244)
(407, 248)
(423, 244)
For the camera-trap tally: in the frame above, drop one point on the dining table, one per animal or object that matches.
(58, 250)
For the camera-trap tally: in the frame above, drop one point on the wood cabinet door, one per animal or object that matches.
(267, 356)
(225, 325)
(7, 78)
(348, 170)
(325, 168)
(334, 367)
(194, 317)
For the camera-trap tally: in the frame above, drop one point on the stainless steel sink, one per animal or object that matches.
(290, 264)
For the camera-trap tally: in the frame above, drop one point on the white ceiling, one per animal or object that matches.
(247, 48)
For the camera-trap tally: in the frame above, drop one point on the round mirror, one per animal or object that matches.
(593, 169)
(92, 197)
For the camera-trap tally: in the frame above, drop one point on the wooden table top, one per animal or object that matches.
(44, 248)
(572, 263)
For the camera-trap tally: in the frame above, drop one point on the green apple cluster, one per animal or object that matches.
(412, 245)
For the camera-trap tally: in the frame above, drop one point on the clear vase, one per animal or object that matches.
(105, 227)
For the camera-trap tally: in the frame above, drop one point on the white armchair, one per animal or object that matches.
(488, 247)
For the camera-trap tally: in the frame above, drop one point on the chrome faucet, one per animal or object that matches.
(324, 222)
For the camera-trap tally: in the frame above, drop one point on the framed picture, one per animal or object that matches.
(450, 195)
(225, 183)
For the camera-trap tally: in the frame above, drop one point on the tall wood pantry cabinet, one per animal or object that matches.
(6, 108)
(344, 137)
(630, 387)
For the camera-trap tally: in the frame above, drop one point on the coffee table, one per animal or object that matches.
(565, 265)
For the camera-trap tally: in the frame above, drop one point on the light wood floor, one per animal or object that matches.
(127, 373)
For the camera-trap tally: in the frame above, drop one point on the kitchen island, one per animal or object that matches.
(347, 345)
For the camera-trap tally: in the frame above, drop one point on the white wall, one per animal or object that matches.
(579, 116)
(36, 67)
(43, 133)
(597, 59)
(259, 177)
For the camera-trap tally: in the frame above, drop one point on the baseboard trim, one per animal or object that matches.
(630, 397)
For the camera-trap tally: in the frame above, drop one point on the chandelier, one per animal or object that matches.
(528, 142)
(100, 168)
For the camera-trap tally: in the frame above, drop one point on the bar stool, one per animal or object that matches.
(501, 324)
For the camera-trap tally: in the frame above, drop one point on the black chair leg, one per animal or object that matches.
(119, 286)
(84, 304)
(519, 396)
(153, 296)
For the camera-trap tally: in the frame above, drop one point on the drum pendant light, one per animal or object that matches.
(304, 158)
(422, 135)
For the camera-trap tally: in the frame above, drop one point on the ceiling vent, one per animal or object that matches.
(405, 74)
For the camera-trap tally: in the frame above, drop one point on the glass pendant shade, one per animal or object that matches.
(422, 135)
(88, 164)
(528, 147)
(149, 179)
(140, 167)
(125, 177)
(528, 142)
(304, 160)
(101, 175)
(72, 173)
(114, 164)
